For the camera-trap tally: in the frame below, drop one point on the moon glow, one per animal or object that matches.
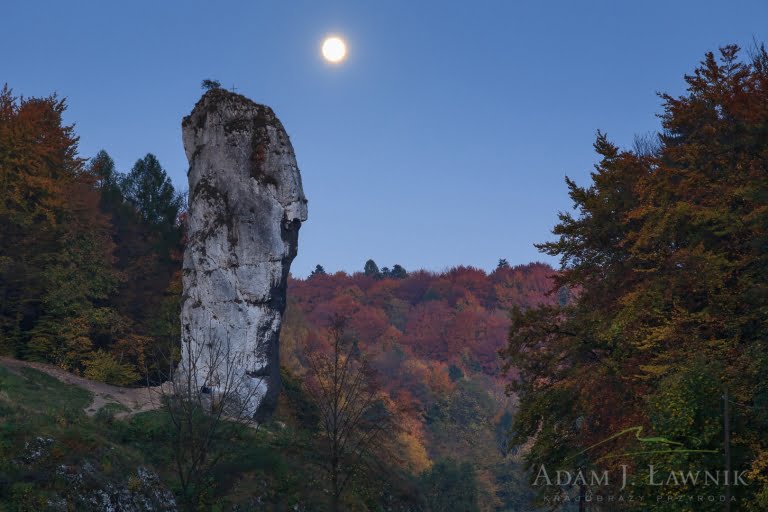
(334, 49)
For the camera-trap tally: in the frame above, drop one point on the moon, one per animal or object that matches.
(334, 49)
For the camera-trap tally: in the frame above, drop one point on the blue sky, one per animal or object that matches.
(442, 140)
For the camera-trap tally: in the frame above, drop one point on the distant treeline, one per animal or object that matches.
(431, 340)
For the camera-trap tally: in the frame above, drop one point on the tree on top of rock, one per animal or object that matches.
(209, 84)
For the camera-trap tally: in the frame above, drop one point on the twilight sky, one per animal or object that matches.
(442, 140)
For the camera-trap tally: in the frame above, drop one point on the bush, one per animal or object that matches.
(101, 366)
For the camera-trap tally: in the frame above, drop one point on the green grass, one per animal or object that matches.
(277, 464)
(40, 392)
(36, 408)
(107, 413)
(34, 405)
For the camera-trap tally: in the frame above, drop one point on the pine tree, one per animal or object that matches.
(319, 271)
(151, 192)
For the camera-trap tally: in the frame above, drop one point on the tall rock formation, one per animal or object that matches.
(246, 205)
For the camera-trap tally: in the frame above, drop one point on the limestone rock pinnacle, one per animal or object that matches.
(246, 205)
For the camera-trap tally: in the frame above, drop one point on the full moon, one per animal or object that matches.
(334, 49)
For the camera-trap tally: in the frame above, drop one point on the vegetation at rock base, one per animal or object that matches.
(54, 457)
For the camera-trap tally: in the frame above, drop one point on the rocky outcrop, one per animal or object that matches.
(246, 205)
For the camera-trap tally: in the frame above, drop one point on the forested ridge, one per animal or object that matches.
(432, 341)
(653, 329)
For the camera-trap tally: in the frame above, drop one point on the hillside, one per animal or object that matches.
(58, 454)
(70, 441)
(90, 282)
(433, 340)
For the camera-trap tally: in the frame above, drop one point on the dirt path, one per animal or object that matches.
(134, 399)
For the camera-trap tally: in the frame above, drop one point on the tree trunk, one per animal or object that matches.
(336, 490)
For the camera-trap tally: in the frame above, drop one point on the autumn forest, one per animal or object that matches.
(644, 350)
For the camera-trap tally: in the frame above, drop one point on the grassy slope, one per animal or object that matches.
(52, 454)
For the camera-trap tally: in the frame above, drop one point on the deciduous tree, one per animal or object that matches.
(354, 417)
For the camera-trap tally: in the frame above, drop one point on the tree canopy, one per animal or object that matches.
(665, 263)
(82, 271)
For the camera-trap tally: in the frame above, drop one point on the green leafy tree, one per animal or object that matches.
(148, 231)
(56, 252)
(450, 486)
(371, 269)
(398, 272)
(102, 366)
